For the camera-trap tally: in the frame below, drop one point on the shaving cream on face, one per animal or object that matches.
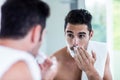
(72, 53)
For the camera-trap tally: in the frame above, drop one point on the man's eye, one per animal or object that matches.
(81, 36)
(70, 35)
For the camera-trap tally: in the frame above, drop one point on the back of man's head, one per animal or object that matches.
(20, 16)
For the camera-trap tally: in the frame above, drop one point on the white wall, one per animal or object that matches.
(55, 26)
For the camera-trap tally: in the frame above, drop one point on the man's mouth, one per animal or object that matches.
(73, 48)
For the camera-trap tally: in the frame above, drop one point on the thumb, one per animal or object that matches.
(41, 66)
(93, 55)
(47, 63)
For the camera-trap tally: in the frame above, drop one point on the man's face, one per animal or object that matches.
(77, 35)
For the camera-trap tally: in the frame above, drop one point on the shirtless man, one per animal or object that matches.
(74, 60)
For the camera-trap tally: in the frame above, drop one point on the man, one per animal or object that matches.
(22, 29)
(82, 59)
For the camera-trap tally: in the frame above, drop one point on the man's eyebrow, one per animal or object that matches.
(69, 31)
(81, 33)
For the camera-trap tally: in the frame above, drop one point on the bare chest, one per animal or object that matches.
(68, 71)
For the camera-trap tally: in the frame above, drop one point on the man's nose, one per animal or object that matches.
(75, 41)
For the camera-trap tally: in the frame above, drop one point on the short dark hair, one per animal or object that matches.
(19, 16)
(79, 16)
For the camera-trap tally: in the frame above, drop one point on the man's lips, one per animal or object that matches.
(74, 47)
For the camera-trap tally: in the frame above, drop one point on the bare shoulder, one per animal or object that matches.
(67, 69)
(18, 71)
(60, 54)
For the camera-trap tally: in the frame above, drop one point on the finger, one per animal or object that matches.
(77, 60)
(79, 56)
(85, 53)
(47, 63)
(93, 55)
(41, 66)
(82, 53)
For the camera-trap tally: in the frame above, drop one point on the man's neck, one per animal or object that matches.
(16, 44)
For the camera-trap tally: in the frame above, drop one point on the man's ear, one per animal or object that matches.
(91, 34)
(43, 34)
(36, 33)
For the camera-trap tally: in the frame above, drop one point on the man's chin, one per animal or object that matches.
(71, 52)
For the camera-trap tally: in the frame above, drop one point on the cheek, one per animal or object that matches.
(69, 42)
(83, 43)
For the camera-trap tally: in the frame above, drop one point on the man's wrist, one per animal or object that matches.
(92, 74)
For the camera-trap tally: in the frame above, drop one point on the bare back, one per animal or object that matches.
(68, 69)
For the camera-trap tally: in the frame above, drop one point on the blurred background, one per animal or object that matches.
(106, 25)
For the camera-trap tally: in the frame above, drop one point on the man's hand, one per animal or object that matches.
(49, 69)
(86, 62)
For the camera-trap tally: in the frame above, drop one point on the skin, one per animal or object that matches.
(71, 68)
(30, 43)
(19, 71)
